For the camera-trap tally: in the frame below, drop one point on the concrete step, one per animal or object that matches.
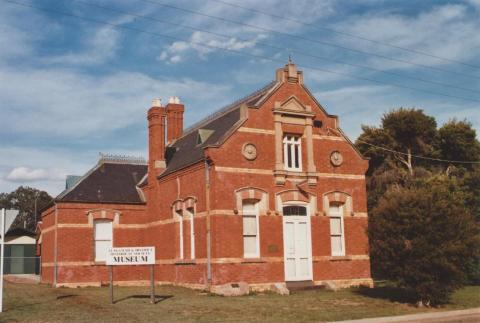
(295, 286)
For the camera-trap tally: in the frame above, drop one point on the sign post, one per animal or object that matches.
(152, 284)
(2, 220)
(110, 276)
(129, 256)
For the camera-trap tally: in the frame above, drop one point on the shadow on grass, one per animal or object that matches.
(391, 293)
(66, 296)
(158, 298)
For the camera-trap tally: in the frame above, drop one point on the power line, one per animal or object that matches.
(343, 33)
(234, 51)
(421, 157)
(292, 50)
(307, 39)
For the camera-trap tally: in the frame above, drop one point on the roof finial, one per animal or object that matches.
(290, 59)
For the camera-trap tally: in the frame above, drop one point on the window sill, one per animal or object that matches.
(99, 263)
(340, 258)
(253, 261)
(291, 172)
(185, 262)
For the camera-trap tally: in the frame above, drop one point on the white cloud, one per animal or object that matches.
(357, 105)
(47, 168)
(204, 44)
(98, 49)
(475, 3)
(448, 31)
(242, 36)
(57, 102)
(25, 174)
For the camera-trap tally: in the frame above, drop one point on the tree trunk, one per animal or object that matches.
(409, 161)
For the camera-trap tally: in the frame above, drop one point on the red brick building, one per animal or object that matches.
(267, 190)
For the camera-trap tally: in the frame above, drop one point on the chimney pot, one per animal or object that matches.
(156, 138)
(157, 102)
(174, 111)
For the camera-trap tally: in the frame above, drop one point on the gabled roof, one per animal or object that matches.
(110, 181)
(187, 150)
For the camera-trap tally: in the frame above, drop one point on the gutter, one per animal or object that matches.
(209, 241)
(55, 249)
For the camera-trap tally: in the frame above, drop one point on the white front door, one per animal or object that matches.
(297, 243)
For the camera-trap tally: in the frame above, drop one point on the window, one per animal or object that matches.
(191, 212)
(251, 243)
(103, 238)
(294, 210)
(336, 230)
(292, 153)
(180, 233)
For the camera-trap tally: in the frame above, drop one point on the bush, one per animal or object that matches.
(424, 238)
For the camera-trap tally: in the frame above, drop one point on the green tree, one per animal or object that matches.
(423, 238)
(24, 199)
(407, 131)
(457, 140)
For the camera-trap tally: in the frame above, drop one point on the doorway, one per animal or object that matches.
(297, 243)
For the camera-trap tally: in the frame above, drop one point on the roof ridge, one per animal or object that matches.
(121, 159)
(225, 109)
(63, 193)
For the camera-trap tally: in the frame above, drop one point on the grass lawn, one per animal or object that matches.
(24, 302)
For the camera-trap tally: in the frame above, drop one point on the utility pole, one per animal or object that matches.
(2, 220)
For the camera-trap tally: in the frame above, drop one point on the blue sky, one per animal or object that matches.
(72, 88)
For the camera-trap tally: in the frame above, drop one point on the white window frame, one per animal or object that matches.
(179, 215)
(95, 222)
(337, 215)
(292, 141)
(255, 214)
(191, 214)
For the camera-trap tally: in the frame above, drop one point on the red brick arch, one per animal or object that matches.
(340, 198)
(189, 202)
(252, 193)
(107, 214)
(293, 195)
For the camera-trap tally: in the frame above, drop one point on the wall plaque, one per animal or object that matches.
(249, 151)
(336, 158)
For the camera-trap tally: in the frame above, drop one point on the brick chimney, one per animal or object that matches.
(289, 74)
(174, 118)
(156, 139)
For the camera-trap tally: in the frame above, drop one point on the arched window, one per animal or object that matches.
(103, 232)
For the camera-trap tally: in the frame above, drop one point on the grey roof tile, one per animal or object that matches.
(107, 182)
(186, 151)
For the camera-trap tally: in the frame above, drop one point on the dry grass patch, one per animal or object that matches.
(43, 303)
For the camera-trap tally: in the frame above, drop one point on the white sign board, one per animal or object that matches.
(130, 256)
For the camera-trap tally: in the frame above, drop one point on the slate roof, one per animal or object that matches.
(12, 232)
(107, 182)
(186, 150)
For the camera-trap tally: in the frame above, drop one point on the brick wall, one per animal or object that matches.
(156, 225)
